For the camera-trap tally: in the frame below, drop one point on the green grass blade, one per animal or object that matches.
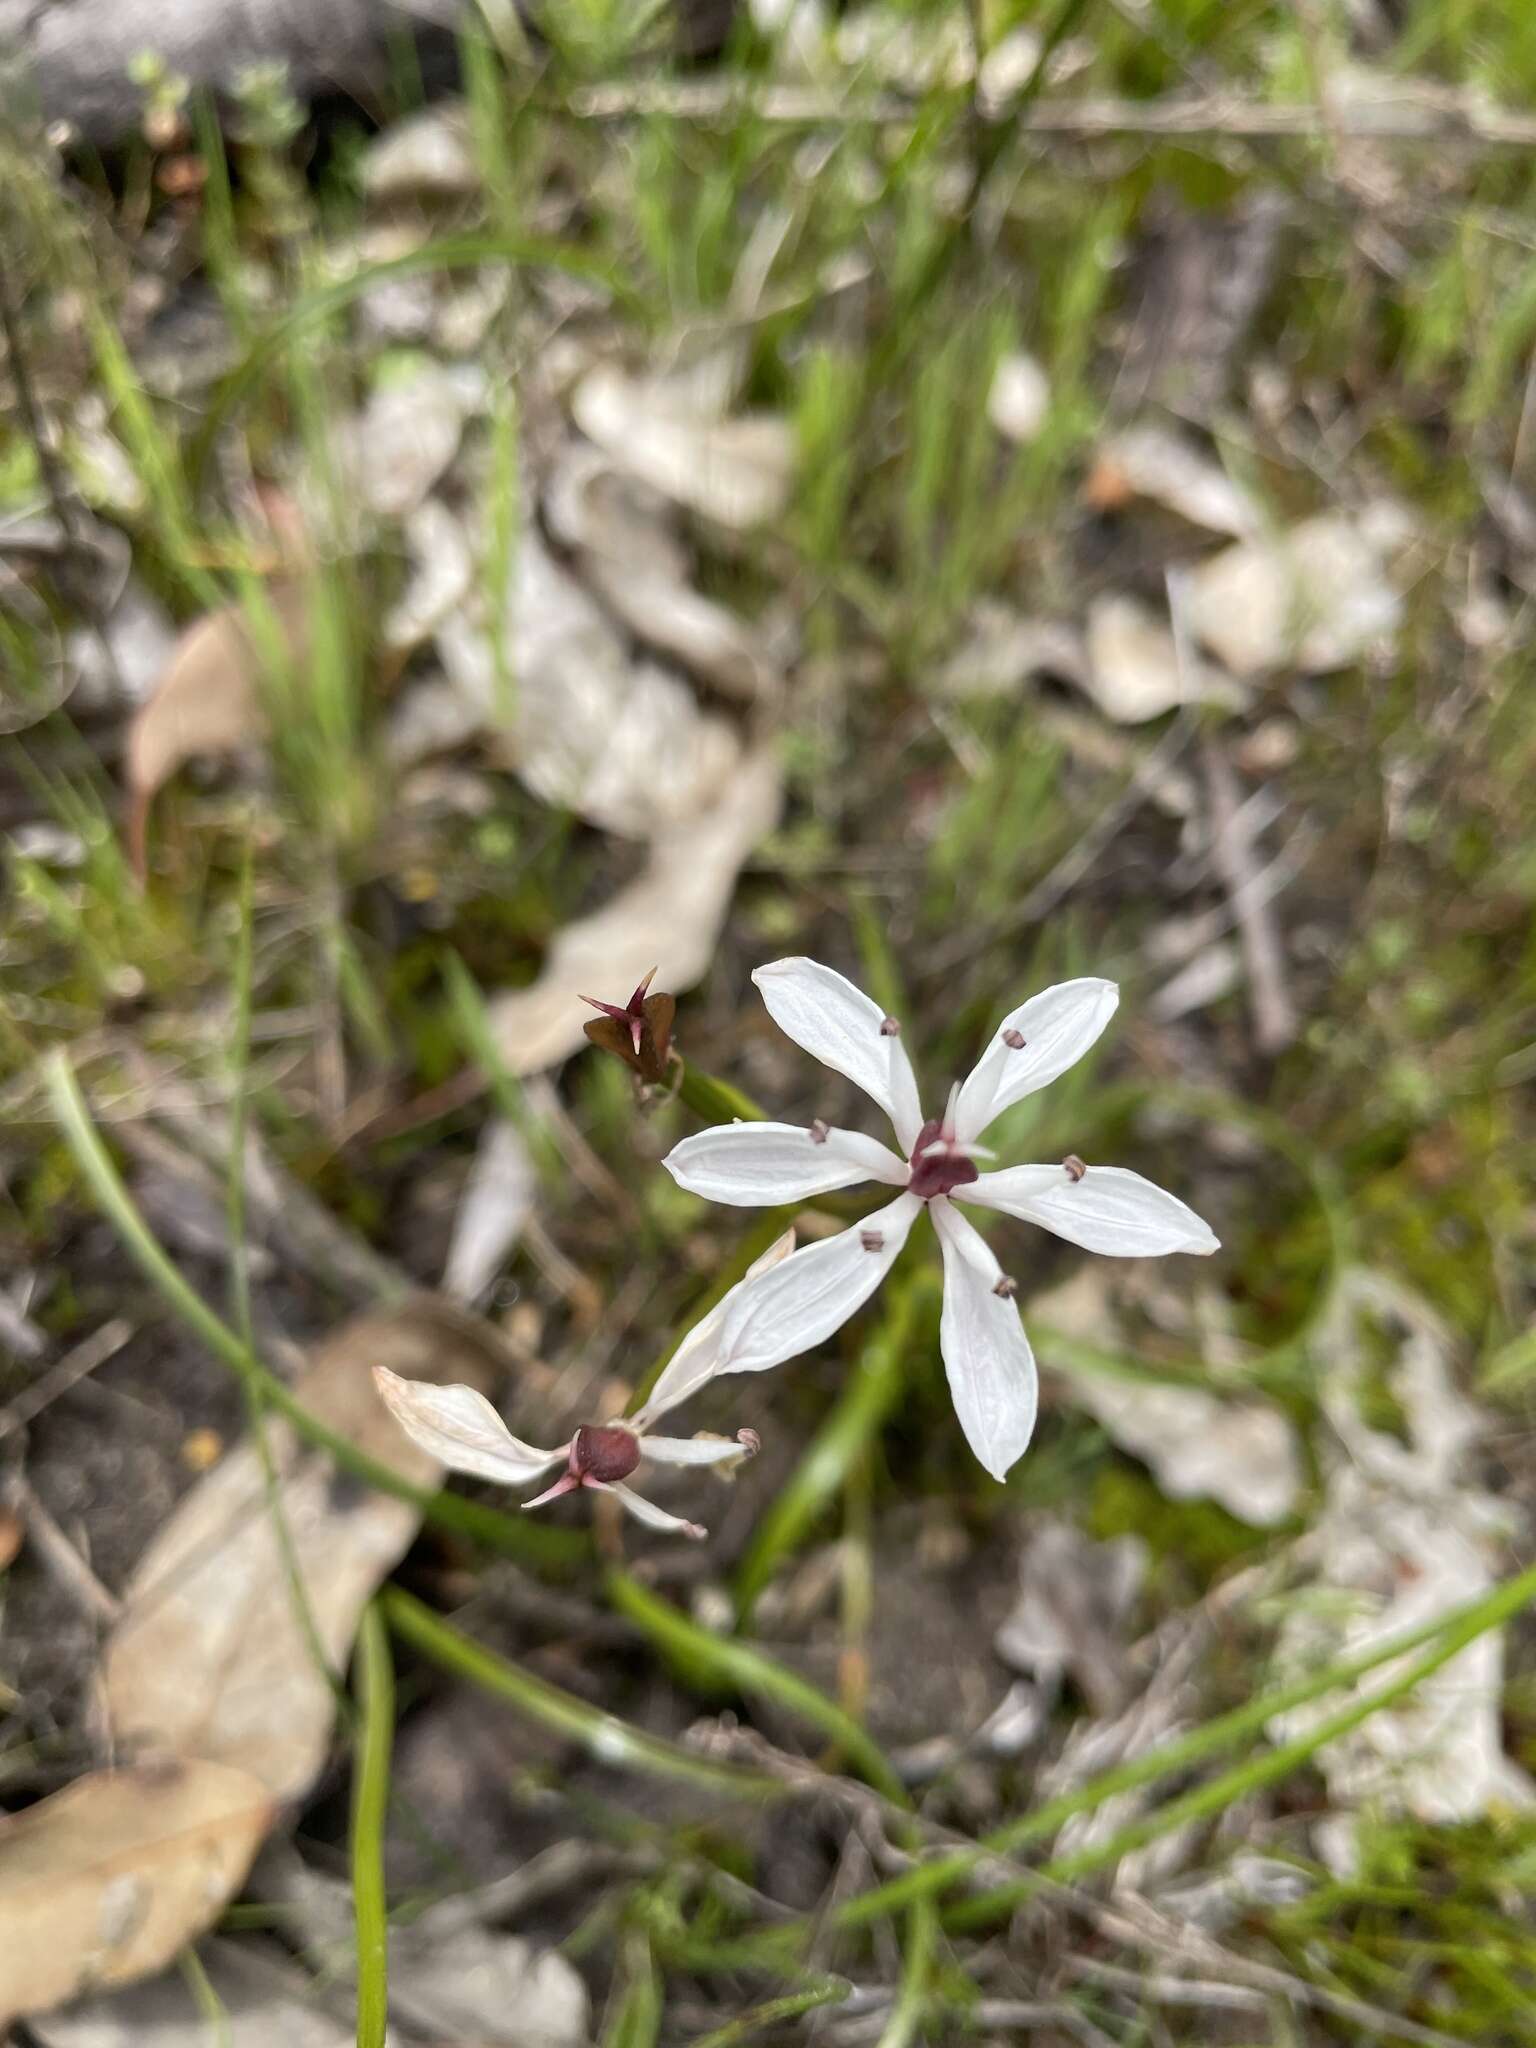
(370, 1805)
(603, 1736)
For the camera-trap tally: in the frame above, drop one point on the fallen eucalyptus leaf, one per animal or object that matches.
(498, 1200)
(1134, 671)
(671, 433)
(668, 918)
(1234, 1449)
(620, 742)
(1315, 598)
(209, 699)
(265, 2003)
(626, 548)
(105, 1881)
(1405, 1535)
(210, 1658)
(426, 156)
(1154, 462)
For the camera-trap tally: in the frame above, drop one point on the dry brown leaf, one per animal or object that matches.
(210, 1658)
(208, 701)
(669, 918)
(105, 1881)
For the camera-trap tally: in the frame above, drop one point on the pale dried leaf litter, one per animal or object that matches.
(1157, 463)
(450, 1977)
(1237, 1450)
(1075, 1600)
(210, 1658)
(497, 1201)
(265, 2003)
(669, 917)
(619, 741)
(674, 433)
(211, 698)
(625, 544)
(1136, 670)
(1405, 1535)
(1315, 597)
(107, 1880)
(1019, 400)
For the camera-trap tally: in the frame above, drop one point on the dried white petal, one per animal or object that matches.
(462, 1430)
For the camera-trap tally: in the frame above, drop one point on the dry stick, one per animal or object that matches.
(1236, 861)
(64, 1562)
(1430, 117)
(72, 1367)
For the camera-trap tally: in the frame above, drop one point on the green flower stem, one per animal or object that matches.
(603, 1736)
(511, 1535)
(370, 1805)
(717, 1102)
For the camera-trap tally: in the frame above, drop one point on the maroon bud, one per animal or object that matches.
(1075, 1168)
(1014, 1040)
(604, 1451)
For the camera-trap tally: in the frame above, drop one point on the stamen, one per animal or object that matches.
(1014, 1040)
(819, 1132)
(889, 1028)
(1006, 1288)
(872, 1240)
(1074, 1167)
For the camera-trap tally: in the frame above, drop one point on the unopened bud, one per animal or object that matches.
(638, 1032)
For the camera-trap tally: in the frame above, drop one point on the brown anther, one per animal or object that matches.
(1014, 1040)
(872, 1240)
(1074, 1166)
(1006, 1288)
(819, 1132)
(750, 1441)
(889, 1028)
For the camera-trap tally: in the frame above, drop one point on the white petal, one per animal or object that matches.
(1109, 1210)
(694, 1450)
(799, 1304)
(462, 1430)
(647, 1511)
(697, 1359)
(839, 1025)
(1057, 1027)
(758, 1165)
(987, 1359)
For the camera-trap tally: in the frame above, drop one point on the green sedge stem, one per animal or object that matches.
(370, 1804)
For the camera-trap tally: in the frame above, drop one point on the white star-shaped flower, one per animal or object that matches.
(460, 1428)
(798, 1305)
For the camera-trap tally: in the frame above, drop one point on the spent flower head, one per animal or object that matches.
(638, 1032)
(460, 1428)
(797, 1305)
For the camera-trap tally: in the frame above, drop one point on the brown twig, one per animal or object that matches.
(74, 1366)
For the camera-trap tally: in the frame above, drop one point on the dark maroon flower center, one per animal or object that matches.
(604, 1452)
(936, 1173)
